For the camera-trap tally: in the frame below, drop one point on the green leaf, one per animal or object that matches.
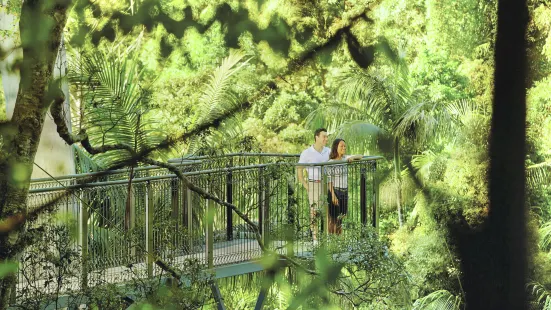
(7, 268)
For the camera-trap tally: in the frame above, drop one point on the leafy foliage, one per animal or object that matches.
(438, 300)
(416, 75)
(113, 105)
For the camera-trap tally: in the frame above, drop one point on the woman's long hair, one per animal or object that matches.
(334, 154)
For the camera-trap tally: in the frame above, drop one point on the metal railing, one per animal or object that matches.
(130, 224)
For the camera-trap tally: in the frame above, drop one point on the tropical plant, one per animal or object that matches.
(438, 300)
(545, 237)
(538, 175)
(372, 105)
(218, 98)
(540, 297)
(113, 107)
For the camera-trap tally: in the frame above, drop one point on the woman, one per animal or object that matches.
(337, 194)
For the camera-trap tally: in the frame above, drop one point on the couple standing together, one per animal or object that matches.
(337, 180)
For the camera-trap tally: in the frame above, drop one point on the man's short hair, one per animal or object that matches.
(318, 131)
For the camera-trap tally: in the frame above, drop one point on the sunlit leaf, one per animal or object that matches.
(7, 268)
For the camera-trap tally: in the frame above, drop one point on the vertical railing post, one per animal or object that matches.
(375, 201)
(149, 212)
(209, 248)
(175, 194)
(229, 199)
(263, 205)
(261, 200)
(363, 198)
(323, 201)
(83, 239)
(175, 200)
(187, 214)
(266, 209)
(132, 223)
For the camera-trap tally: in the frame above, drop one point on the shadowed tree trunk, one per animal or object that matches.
(398, 176)
(494, 258)
(21, 134)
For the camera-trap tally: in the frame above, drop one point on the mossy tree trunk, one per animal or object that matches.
(21, 135)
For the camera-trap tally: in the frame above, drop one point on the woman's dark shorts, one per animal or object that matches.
(342, 209)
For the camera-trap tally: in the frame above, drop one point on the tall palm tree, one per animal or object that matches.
(371, 106)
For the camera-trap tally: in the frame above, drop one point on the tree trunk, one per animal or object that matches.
(398, 177)
(494, 258)
(21, 135)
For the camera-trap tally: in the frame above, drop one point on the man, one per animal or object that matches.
(317, 153)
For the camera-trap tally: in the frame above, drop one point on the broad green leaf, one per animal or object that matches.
(7, 268)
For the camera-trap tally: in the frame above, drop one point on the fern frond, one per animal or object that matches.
(545, 237)
(422, 164)
(539, 175)
(216, 97)
(541, 297)
(438, 300)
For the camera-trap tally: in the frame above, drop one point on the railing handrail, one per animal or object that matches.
(184, 161)
(335, 162)
(175, 160)
(192, 173)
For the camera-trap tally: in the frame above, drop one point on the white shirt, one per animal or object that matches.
(311, 156)
(338, 174)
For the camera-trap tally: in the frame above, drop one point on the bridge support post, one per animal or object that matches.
(264, 290)
(229, 199)
(363, 198)
(217, 295)
(209, 234)
(175, 200)
(149, 212)
(187, 201)
(83, 239)
(375, 202)
(264, 205)
(324, 202)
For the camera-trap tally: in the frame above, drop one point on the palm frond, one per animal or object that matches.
(438, 300)
(115, 106)
(425, 121)
(361, 137)
(216, 97)
(84, 161)
(539, 175)
(230, 137)
(333, 115)
(423, 163)
(463, 110)
(367, 92)
(541, 297)
(545, 237)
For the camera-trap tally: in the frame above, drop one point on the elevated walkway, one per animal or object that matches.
(131, 218)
